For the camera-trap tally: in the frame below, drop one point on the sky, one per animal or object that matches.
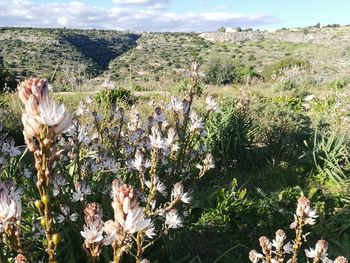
(173, 15)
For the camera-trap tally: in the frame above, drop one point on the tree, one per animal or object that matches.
(220, 71)
(222, 29)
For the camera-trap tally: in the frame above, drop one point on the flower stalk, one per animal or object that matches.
(43, 120)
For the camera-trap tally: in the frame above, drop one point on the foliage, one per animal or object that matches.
(7, 80)
(281, 129)
(230, 204)
(220, 71)
(331, 158)
(228, 134)
(276, 70)
(225, 71)
(115, 96)
(244, 73)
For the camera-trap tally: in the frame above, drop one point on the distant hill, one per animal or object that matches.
(50, 52)
(71, 58)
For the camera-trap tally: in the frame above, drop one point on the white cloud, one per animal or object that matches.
(81, 15)
(141, 2)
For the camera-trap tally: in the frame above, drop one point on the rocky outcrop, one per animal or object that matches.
(233, 36)
(316, 36)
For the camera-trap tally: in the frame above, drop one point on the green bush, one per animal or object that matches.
(286, 85)
(225, 71)
(340, 84)
(276, 70)
(114, 96)
(227, 208)
(281, 129)
(220, 71)
(228, 134)
(244, 73)
(7, 79)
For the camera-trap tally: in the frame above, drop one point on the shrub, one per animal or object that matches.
(220, 71)
(113, 96)
(277, 70)
(286, 85)
(244, 73)
(228, 132)
(280, 129)
(225, 71)
(227, 208)
(147, 164)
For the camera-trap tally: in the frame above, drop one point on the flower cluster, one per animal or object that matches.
(10, 206)
(8, 149)
(277, 251)
(159, 153)
(40, 111)
(274, 251)
(127, 174)
(43, 120)
(93, 229)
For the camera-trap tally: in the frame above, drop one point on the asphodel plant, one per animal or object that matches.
(279, 251)
(43, 120)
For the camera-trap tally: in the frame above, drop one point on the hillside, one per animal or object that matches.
(57, 53)
(159, 60)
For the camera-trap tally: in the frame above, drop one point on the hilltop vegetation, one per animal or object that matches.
(60, 54)
(72, 59)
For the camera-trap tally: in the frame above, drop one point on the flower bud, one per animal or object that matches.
(45, 199)
(56, 238)
(38, 204)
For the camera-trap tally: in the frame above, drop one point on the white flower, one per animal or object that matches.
(27, 173)
(320, 251)
(160, 187)
(340, 260)
(175, 104)
(53, 115)
(211, 104)
(82, 190)
(178, 192)
(58, 181)
(158, 115)
(150, 232)
(66, 211)
(169, 141)
(10, 149)
(139, 163)
(254, 256)
(172, 219)
(83, 136)
(82, 109)
(309, 98)
(10, 204)
(92, 233)
(156, 139)
(304, 210)
(288, 248)
(109, 164)
(208, 163)
(196, 121)
(88, 100)
(109, 84)
(110, 228)
(135, 220)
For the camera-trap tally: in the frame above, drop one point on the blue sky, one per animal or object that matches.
(172, 15)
